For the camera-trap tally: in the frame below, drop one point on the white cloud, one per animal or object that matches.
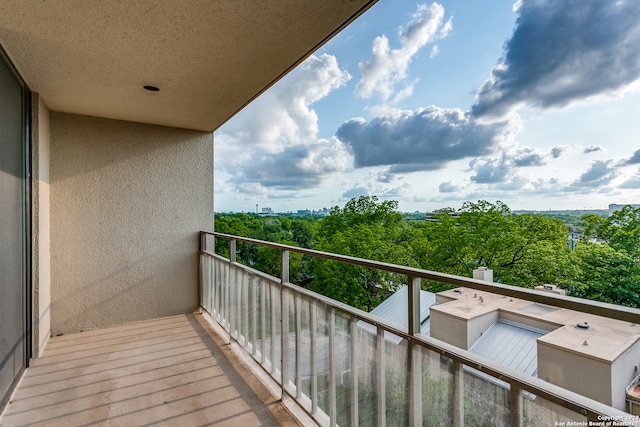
(273, 143)
(388, 67)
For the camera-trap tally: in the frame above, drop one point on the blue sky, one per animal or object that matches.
(536, 104)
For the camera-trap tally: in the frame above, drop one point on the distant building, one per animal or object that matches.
(266, 211)
(431, 216)
(613, 207)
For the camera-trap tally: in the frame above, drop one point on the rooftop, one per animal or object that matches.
(606, 339)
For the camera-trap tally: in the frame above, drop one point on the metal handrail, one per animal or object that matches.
(613, 311)
(591, 409)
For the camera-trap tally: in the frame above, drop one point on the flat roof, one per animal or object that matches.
(604, 340)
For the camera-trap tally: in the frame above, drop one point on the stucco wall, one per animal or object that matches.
(127, 202)
(41, 222)
(578, 373)
(623, 372)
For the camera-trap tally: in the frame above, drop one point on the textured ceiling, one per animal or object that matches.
(208, 57)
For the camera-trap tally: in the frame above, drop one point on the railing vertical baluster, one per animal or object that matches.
(415, 384)
(354, 371)
(229, 285)
(211, 266)
(380, 377)
(238, 303)
(284, 322)
(219, 285)
(298, 319)
(233, 312)
(245, 309)
(314, 358)
(201, 266)
(332, 367)
(263, 321)
(515, 406)
(254, 313)
(273, 325)
(458, 394)
(215, 295)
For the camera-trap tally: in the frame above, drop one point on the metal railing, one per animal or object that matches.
(322, 353)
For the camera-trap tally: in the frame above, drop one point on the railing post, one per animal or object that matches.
(515, 405)
(413, 302)
(232, 250)
(284, 266)
(203, 241)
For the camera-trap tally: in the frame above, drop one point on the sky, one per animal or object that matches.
(534, 103)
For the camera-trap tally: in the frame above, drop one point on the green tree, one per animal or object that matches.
(605, 274)
(364, 228)
(523, 250)
(621, 230)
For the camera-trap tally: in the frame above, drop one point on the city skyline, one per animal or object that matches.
(433, 104)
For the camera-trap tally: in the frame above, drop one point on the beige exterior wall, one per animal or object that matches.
(578, 373)
(41, 225)
(127, 202)
(448, 328)
(459, 332)
(623, 372)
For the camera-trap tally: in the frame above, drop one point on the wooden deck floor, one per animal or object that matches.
(172, 372)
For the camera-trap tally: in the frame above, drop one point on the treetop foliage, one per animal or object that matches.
(525, 249)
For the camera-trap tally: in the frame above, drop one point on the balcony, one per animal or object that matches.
(168, 371)
(263, 348)
(341, 373)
